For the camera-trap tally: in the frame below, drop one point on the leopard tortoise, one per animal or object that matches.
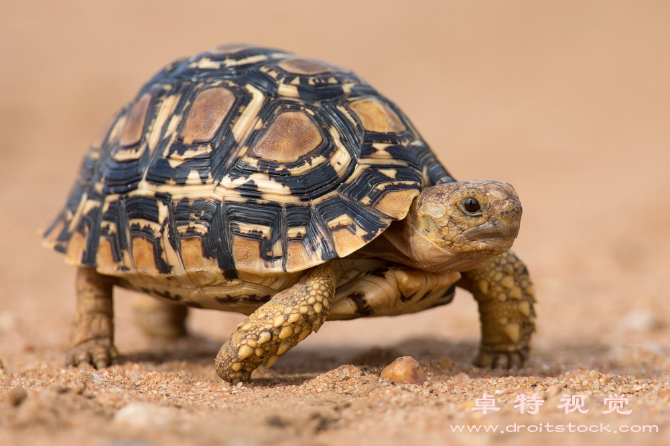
(247, 179)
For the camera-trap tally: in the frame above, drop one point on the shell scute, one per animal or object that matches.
(206, 115)
(134, 128)
(375, 116)
(291, 136)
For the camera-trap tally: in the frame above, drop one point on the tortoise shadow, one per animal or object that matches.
(307, 359)
(193, 348)
(440, 358)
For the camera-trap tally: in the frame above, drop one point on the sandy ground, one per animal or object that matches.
(569, 101)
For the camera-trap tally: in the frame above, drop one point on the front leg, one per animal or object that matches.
(93, 328)
(278, 326)
(502, 288)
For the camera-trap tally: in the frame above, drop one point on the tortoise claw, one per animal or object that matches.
(501, 362)
(483, 360)
(513, 360)
(99, 353)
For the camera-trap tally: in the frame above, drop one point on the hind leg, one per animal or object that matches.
(93, 328)
(159, 319)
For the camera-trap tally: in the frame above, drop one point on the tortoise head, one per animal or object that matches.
(455, 226)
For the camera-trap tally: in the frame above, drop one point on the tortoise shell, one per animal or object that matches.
(242, 160)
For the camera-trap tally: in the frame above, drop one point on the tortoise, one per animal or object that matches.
(248, 179)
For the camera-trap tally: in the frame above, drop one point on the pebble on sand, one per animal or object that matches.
(144, 415)
(404, 370)
(445, 362)
(17, 395)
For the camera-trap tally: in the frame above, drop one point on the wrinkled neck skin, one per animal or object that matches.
(410, 247)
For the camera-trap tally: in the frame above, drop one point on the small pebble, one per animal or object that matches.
(79, 388)
(460, 378)
(642, 321)
(89, 377)
(60, 389)
(17, 395)
(143, 415)
(96, 378)
(404, 370)
(445, 362)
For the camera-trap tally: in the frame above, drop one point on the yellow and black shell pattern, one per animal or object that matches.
(242, 160)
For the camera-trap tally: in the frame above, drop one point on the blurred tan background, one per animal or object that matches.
(567, 100)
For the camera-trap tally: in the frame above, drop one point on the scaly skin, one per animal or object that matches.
(93, 328)
(278, 326)
(158, 319)
(502, 288)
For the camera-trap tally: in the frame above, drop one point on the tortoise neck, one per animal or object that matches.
(414, 249)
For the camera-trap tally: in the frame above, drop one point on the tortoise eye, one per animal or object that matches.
(471, 206)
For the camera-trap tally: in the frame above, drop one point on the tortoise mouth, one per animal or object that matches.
(495, 243)
(493, 232)
(489, 236)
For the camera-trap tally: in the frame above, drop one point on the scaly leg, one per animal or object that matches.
(93, 328)
(504, 291)
(158, 319)
(277, 326)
